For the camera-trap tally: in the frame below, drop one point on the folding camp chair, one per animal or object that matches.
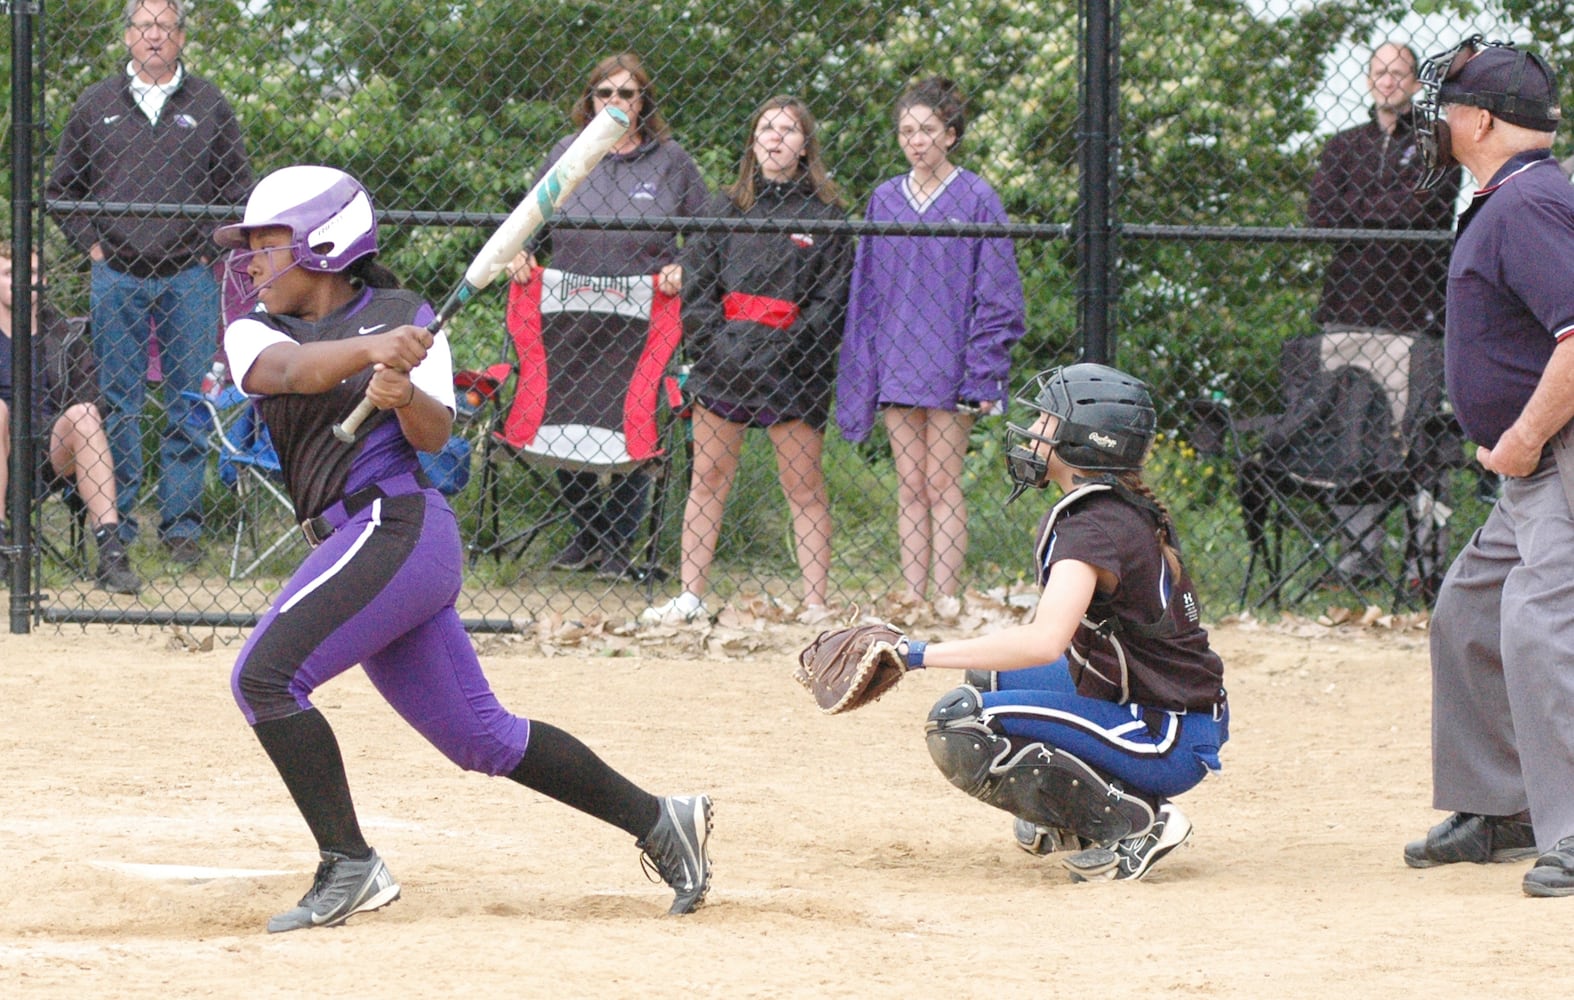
(72, 552)
(591, 375)
(1364, 430)
(265, 516)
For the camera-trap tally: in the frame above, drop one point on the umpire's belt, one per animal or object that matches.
(777, 313)
(317, 529)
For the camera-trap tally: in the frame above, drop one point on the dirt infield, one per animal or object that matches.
(146, 840)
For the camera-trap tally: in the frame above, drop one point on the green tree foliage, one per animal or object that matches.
(451, 106)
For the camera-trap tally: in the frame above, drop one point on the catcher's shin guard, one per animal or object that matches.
(1039, 783)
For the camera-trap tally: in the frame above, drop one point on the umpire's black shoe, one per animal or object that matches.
(1553, 874)
(678, 847)
(1475, 838)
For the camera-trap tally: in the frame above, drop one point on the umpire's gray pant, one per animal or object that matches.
(1503, 663)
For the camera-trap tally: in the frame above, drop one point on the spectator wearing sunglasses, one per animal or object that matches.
(646, 175)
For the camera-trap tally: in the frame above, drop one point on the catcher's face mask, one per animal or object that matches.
(1027, 458)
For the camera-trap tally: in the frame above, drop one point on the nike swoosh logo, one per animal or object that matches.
(363, 331)
(111, 119)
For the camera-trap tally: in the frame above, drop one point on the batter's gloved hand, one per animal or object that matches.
(847, 668)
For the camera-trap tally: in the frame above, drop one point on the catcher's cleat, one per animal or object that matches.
(1475, 838)
(1036, 838)
(1553, 873)
(1135, 856)
(678, 848)
(342, 888)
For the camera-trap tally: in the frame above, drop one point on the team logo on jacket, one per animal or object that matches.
(185, 121)
(803, 241)
(643, 191)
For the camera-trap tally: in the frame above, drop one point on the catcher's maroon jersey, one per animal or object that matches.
(1143, 642)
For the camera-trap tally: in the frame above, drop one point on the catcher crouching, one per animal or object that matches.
(1084, 722)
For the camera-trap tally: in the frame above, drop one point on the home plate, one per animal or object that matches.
(185, 873)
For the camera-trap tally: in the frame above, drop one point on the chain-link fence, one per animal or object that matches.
(784, 330)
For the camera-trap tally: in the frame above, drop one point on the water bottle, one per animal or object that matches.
(213, 381)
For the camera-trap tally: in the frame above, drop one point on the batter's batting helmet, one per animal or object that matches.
(328, 213)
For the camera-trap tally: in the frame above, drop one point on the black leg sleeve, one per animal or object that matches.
(560, 766)
(303, 748)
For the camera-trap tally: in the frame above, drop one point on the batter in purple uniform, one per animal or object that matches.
(379, 586)
(930, 324)
(1086, 720)
(1503, 631)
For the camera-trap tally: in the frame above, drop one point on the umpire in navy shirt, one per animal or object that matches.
(1503, 630)
(153, 133)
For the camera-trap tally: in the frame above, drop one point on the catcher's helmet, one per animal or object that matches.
(1106, 422)
(328, 213)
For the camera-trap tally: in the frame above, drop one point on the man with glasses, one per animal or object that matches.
(157, 133)
(1367, 179)
(1503, 630)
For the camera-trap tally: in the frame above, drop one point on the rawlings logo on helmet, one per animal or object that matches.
(1103, 440)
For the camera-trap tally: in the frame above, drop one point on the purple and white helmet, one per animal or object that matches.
(328, 212)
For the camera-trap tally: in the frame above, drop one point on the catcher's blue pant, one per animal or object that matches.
(380, 592)
(1152, 750)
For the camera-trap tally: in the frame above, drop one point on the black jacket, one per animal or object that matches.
(748, 364)
(111, 152)
(1366, 180)
(65, 370)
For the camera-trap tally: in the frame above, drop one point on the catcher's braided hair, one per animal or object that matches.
(1131, 479)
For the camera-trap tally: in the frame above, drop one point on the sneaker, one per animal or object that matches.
(1475, 838)
(343, 887)
(184, 551)
(1553, 874)
(686, 607)
(678, 848)
(574, 556)
(1035, 838)
(114, 567)
(1133, 857)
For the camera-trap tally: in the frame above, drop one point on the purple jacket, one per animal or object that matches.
(930, 322)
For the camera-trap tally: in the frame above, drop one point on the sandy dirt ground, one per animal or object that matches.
(145, 840)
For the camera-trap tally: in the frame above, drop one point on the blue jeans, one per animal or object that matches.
(184, 309)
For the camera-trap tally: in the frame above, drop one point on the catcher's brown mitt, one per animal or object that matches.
(847, 668)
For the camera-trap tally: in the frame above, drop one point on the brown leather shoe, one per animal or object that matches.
(1475, 838)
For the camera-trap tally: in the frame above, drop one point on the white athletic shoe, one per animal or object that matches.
(684, 608)
(342, 888)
